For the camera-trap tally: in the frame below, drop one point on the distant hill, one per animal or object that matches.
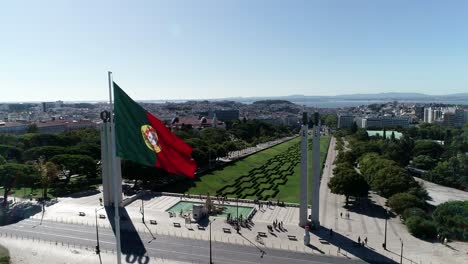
(271, 102)
(376, 96)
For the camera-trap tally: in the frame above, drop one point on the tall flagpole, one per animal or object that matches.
(113, 171)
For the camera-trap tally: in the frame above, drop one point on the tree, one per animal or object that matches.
(76, 164)
(390, 180)
(38, 140)
(414, 211)
(10, 152)
(399, 202)
(448, 137)
(14, 175)
(348, 182)
(48, 172)
(424, 162)
(214, 135)
(90, 149)
(428, 148)
(46, 152)
(453, 173)
(420, 227)
(346, 157)
(354, 128)
(329, 119)
(452, 219)
(371, 163)
(392, 136)
(32, 129)
(361, 135)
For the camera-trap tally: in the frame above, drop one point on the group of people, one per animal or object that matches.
(277, 224)
(268, 203)
(346, 215)
(364, 241)
(442, 239)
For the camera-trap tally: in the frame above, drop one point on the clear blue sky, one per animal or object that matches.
(51, 50)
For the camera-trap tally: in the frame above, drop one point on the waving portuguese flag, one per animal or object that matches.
(143, 138)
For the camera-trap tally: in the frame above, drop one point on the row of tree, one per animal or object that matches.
(209, 144)
(24, 159)
(36, 160)
(442, 154)
(382, 162)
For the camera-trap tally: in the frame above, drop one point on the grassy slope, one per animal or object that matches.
(288, 192)
(217, 179)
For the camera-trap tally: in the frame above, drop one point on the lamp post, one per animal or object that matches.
(97, 231)
(142, 211)
(401, 253)
(384, 245)
(211, 256)
(237, 207)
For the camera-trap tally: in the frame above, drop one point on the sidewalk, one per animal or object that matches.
(67, 211)
(369, 221)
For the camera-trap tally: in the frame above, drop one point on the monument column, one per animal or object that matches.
(315, 195)
(106, 169)
(303, 207)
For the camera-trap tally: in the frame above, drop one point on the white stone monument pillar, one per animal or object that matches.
(303, 207)
(315, 195)
(106, 169)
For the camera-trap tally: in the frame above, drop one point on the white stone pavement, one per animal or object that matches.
(370, 223)
(367, 224)
(67, 210)
(441, 194)
(39, 252)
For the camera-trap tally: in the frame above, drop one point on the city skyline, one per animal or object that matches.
(62, 50)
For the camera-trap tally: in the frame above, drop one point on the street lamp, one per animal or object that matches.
(401, 253)
(142, 211)
(211, 256)
(237, 207)
(97, 231)
(384, 245)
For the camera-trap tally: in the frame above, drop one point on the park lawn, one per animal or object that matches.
(76, 184)
(290, 191)
(215, 180)
(25, 191)
(4, 255)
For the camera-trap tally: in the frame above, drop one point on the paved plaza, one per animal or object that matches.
(365, 221)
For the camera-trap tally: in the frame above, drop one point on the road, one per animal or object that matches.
(166, 247)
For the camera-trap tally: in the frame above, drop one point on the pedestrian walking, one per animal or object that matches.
(359, 239)
(365, 241)
(341, 214)
(331, 232)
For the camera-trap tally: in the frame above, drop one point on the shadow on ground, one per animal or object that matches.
(83, 193)
(367, 207)
(133, 249)
(346, 244)
(15, 212)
